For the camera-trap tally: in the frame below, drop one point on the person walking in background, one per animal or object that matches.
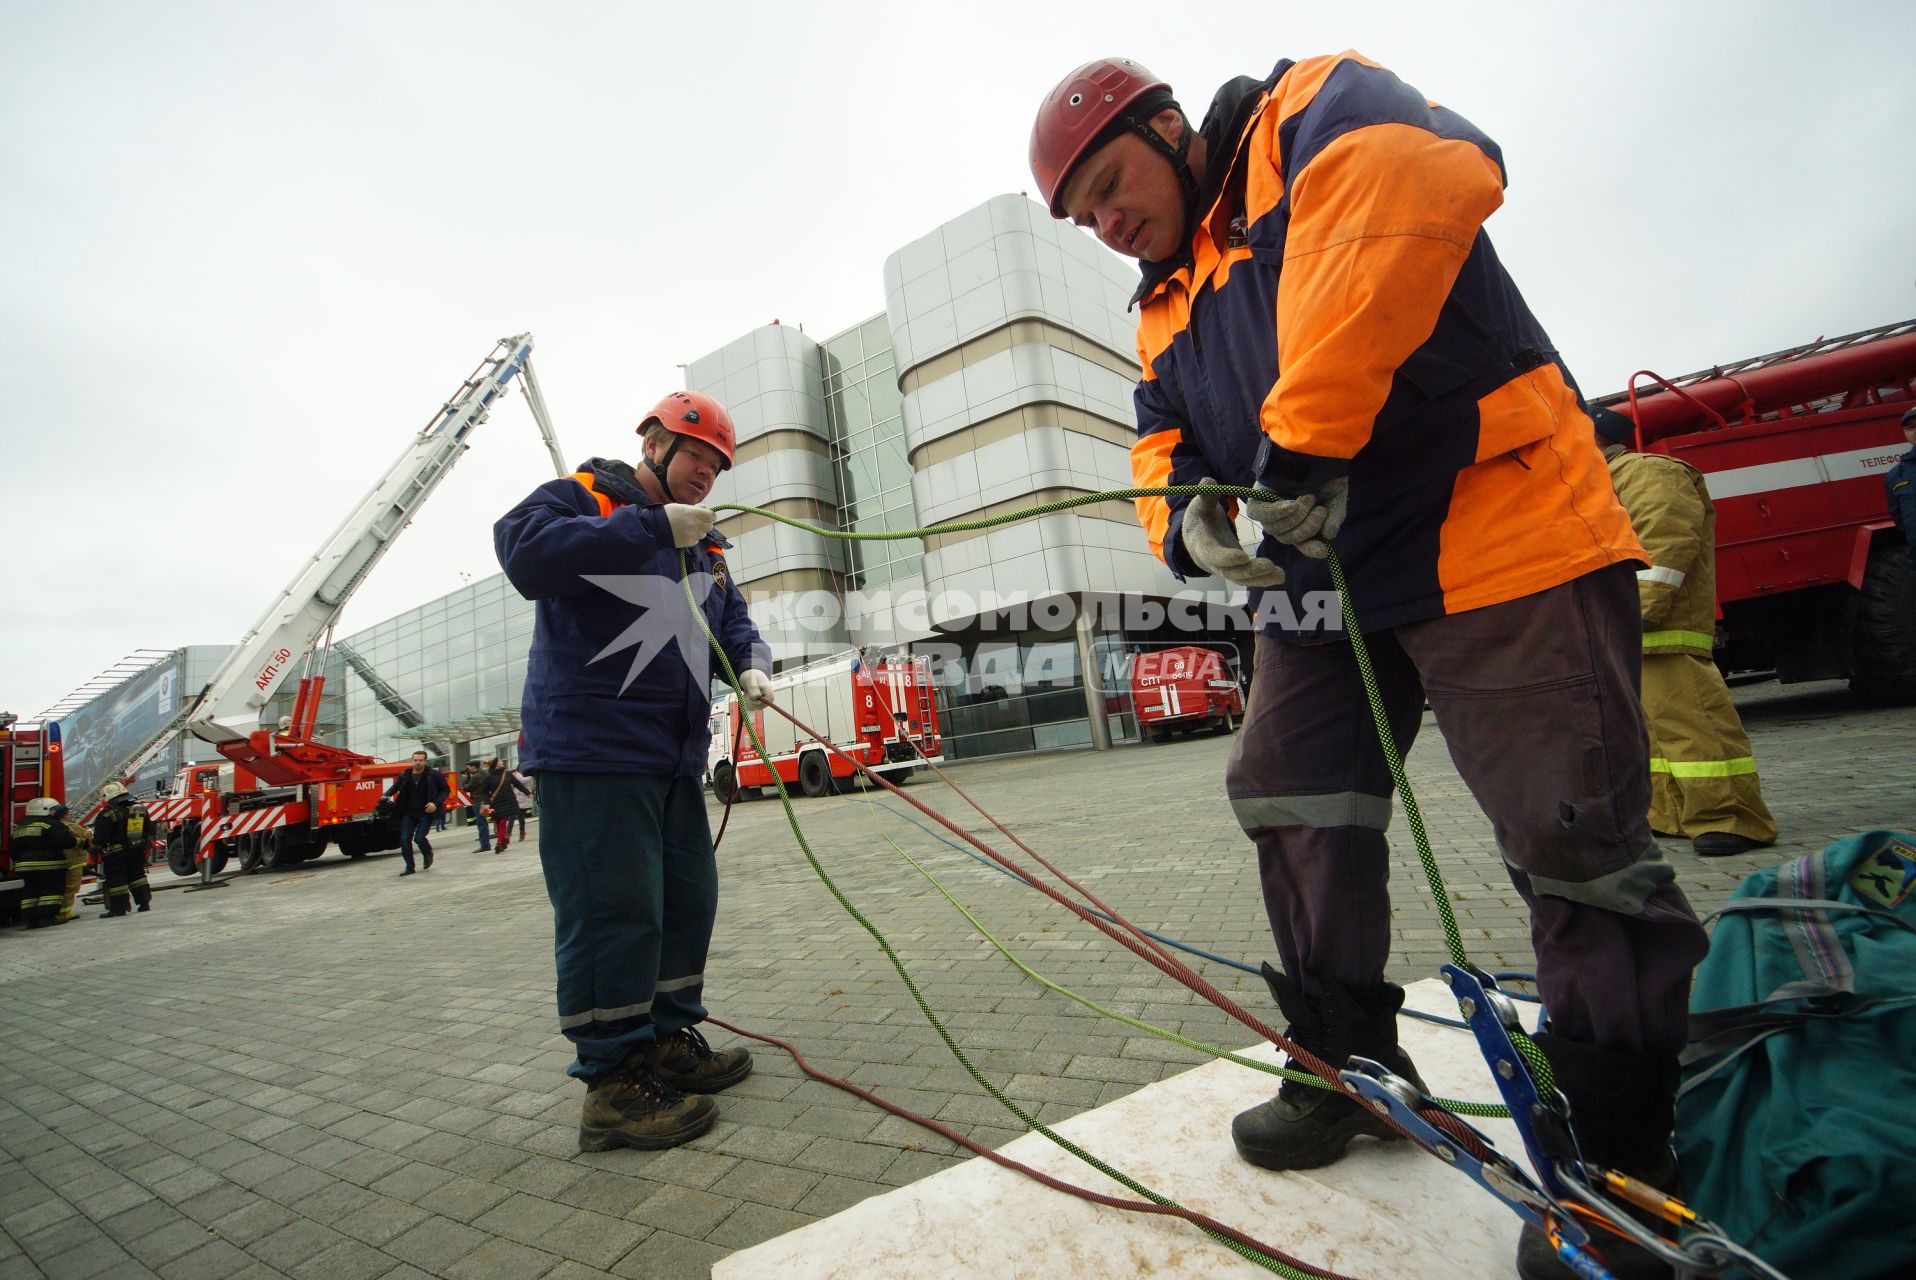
(1703, 782)
(472, 780)
(510, 795)
(417, 795)
(528, 799)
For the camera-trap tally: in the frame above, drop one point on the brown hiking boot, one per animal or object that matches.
(633, 1107)
(686, 1062)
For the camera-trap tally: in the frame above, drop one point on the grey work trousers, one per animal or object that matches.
(1537, 699)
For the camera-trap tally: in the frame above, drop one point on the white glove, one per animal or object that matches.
(757, 686)
(689, 523)
(1307, 522)
(1211, 542)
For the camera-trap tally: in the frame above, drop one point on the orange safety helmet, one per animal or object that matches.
(1076, 112)
(694, 414)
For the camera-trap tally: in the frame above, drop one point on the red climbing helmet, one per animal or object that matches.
(1075, 112)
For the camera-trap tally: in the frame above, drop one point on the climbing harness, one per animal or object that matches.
(1563, 1198)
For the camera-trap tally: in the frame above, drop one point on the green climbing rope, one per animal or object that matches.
(1540, 1068)
(1003, 1099)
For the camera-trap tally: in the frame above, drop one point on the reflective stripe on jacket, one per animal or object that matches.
(1676, 522)
(40, 844)
(608, 691)
(1340, 313)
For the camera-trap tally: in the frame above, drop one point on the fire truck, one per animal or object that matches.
(879, 710)
(284, 797)
(1183, 689)
(265, 826)
(30, 768)
(1813, 579)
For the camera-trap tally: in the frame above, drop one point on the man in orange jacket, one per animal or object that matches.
(1321, 315)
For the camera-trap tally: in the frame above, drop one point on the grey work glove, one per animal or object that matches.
(1307, 522)
(1211, 542)
(689, 523)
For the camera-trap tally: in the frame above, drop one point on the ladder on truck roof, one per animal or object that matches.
(1820, 347)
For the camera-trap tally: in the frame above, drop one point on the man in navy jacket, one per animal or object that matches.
(615, 725)
(417, 795)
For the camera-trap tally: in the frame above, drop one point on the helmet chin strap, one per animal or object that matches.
(1179, 154)
(658, 468)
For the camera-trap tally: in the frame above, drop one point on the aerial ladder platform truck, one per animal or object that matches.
(283, 797)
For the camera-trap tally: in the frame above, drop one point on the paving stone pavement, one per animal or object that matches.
(332, 1072)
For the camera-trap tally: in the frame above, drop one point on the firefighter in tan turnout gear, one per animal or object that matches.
(77, 859)
(1703, 781)
(121, 832)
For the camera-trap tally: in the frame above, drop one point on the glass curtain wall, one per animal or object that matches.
(457, 656)
(865, 410)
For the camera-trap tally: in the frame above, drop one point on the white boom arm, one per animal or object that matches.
(312, 601)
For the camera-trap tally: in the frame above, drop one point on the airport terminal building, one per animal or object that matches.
(997, 376)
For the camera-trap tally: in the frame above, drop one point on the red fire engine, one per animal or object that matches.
(1812, 578)
(1183, 689)
(874, 710)
(292, 799)
(30, 767)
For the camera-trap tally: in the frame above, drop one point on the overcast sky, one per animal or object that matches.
(249, 248)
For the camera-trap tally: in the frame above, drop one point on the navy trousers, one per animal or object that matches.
(634, 887)
(412, 830)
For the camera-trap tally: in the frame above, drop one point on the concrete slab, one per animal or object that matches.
(1384, 1211)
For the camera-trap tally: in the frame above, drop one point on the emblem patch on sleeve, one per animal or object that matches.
(1889, 875)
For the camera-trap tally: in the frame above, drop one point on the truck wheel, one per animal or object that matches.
(1886, 630)
(271, 852)
(815, 775)
(179, 849)
(725, 782)
(249, 851)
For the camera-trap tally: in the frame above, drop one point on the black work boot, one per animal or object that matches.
(632, 1107)
(1305, 1127)
(1623, 1110)
(686, 1062)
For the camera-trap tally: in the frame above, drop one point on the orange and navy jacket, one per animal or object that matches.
(1340, 312)
(605, 692)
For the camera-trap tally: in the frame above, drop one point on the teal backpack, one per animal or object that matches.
(1796, 1121)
